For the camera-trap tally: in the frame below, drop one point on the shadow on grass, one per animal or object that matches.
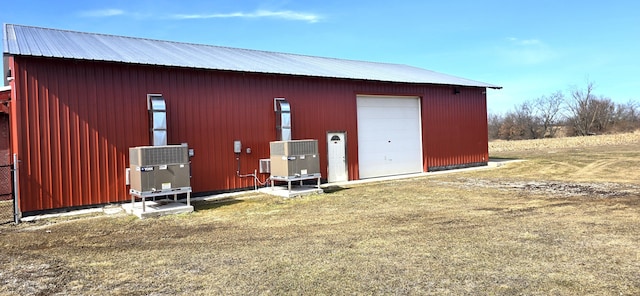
(332, 189)
(212, 205)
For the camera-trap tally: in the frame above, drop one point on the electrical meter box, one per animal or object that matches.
(159, 168)
(294, 159)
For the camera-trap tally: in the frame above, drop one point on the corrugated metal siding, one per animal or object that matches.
(455, 127)
(77, 120)
(5, 159)
(5, 93)
(5, 148)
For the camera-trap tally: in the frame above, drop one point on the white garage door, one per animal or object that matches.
(389, 136)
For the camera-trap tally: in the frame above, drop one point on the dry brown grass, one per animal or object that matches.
(562, 223)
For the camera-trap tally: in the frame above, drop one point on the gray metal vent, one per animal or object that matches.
(158, 155)
(277, 148)
(158, 119)
(265, 166)
(295, 147)
(303, 147)
(283, 119)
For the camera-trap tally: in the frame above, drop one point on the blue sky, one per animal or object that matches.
(530, 48)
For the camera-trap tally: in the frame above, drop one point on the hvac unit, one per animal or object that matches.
(159, 168)
(295, 159)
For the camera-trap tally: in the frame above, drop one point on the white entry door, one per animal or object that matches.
(337, 159)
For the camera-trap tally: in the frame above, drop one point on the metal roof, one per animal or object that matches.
(45, 42)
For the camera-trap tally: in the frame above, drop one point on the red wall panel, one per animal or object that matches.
(455, 127)
(5, 148)
(75, 121)
(5, 156)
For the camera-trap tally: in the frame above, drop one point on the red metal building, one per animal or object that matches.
(74, 117)
(5, 149)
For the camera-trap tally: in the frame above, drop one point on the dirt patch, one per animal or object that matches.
(551, 189)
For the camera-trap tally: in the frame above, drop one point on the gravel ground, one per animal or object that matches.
(554, 189)
(564, 143)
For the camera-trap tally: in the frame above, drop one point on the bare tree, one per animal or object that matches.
(631, 111)
(582, 112)
(509, 129)
(527, 119)
(604, 110)
(626, 117)
(493, 123)
(547, 111)
(520, 124)
(632, 114)
(589, 113)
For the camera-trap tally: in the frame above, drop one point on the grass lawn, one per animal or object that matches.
(563, 222)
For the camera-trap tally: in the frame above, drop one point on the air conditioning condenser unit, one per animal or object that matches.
(159, 168)
(294, 159)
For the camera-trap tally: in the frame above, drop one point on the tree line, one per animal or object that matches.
(580, 113)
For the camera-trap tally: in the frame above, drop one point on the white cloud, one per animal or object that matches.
(525, 42)
(102, 12)
(527, 51)
(283, 14)
(286, 15)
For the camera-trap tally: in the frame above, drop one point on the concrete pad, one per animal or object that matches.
(112, 209)
(492, 163)
(157, 208)
(220, 196)
(65, 214)
(296, 190)
(496, 163)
